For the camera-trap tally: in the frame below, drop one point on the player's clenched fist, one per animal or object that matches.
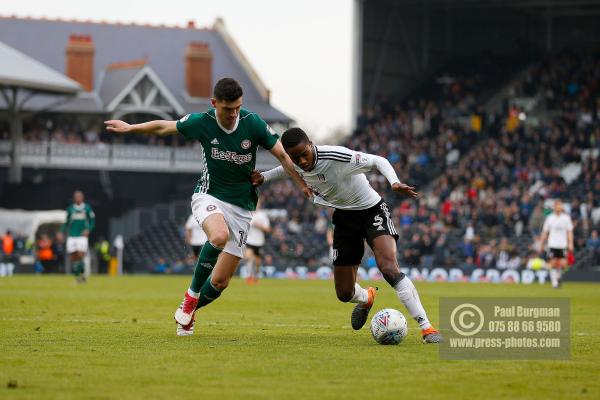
(257, 178)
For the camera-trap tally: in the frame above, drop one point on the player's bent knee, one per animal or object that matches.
(344, 295)
(220, 239)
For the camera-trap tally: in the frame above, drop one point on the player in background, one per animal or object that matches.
(259, 226)
(558, 232)
(336, 176)
(194, 235)
(224, 198)
(78, 226)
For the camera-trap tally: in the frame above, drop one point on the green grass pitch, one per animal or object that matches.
(114, 338)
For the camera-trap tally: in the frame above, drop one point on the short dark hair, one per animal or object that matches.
(293, 137)
(227, 89)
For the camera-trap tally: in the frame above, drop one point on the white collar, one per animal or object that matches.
(227, 131)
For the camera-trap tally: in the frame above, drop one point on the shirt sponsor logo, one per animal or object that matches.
(246, 144)
(78, 216)
(230, 156)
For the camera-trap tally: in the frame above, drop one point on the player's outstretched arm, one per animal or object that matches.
(288, 166)
(372, 161)
(158, 127)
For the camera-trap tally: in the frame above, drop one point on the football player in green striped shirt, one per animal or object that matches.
(78, 226)
(224, 198)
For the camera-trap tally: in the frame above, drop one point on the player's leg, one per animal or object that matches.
(74, 250)
(554, 267)
(257, 263)
(349, 291)
(209, 213)
(344, 278)
(384, 248)
(238, 221)
(249, 260)
(217, 232)
(219, 280)
(348, 249)
(226, 227)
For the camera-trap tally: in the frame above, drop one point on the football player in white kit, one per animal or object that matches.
(336, 176)
(558, 231)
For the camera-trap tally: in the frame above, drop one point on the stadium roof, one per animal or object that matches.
(22, 71)
(162, 47)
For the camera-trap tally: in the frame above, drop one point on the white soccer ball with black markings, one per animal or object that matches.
(389, 326)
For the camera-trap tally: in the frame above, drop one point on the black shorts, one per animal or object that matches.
(353, 227)
(256, 250)
(196, 250)
(557, 253)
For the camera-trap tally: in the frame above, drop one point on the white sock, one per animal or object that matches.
(407, 293)
(193, 294)
(554, 276)
(360, 296)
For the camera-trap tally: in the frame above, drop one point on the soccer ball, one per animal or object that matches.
(389, 326)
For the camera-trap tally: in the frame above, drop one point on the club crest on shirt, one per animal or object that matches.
(246, 144)
(321, 177)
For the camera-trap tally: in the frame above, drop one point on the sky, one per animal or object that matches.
(300, 49)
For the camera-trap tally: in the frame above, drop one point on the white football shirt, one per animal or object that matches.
(558, 226)
(338, 180)
(198, 237)
(256, 236)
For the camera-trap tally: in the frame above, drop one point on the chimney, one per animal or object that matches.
(80, 60)
(198, 69)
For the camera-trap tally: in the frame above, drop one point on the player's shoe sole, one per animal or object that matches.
(184, 314)
(187, 330)
(432, 335)
(360, 313)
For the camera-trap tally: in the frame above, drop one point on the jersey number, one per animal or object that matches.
(243, 239)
